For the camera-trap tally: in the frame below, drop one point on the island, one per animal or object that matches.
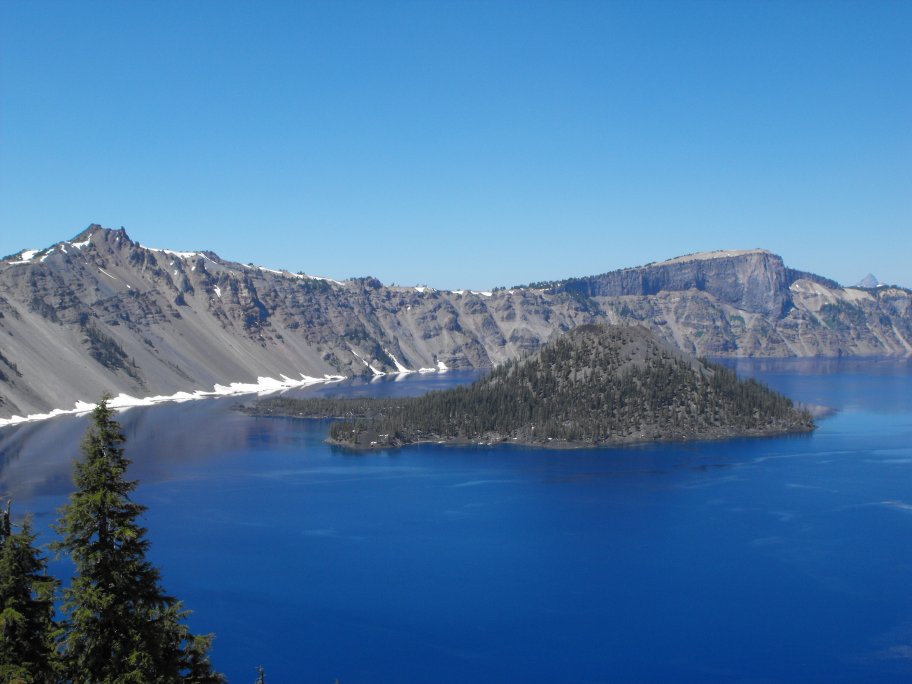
(593, 386)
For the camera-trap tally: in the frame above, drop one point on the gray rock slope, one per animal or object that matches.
(101, 313)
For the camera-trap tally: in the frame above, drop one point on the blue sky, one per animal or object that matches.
(463, 144)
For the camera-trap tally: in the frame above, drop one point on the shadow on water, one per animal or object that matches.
(36, 458)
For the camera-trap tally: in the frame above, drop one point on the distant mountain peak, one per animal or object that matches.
(869, 281)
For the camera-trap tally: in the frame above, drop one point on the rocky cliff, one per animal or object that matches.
(101, 313)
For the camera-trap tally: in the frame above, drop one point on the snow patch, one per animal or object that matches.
(172, 252)
(80, 245)
(263, 385)
(324, 279)
(399, 367)
(483, 293)
(442, 367)
(179, 255)
(106, 273)
(218, 291)
(302, 276)
(377, 373)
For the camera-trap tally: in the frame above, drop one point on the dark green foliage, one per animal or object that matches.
(592, 386)
(380, 354)
(842, 316)
(792, 275)
(315, 285)
(106, 350)
(44, 309)
(27, 628)
(356, 333)
(196, 666)
(121, 626)
(367, 282)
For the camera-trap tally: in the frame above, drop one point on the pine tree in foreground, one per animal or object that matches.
(27, 628)
(121, 627)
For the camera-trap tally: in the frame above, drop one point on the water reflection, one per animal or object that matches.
(36, 459)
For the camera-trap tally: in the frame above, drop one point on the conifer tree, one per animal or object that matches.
(27, 627)
(121, 627)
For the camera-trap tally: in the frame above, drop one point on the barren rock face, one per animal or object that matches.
(755, 281)
(101, 313)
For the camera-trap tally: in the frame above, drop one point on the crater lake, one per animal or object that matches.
(753, 560)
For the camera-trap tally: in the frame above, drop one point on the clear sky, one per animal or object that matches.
(463, 144)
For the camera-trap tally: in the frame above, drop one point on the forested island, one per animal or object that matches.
(593, 386)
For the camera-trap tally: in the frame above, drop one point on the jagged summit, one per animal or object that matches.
(95, 228)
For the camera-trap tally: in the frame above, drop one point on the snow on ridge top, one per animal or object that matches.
(716, 254)
(303, 276)
(480, 293)
(172, 252)
(323, 278)
(24, 257)
(276, 271)
(182, 255)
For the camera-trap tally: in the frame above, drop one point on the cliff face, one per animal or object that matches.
(754, 281)
(103, 313)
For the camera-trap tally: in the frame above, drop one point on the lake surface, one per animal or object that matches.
(764, 560)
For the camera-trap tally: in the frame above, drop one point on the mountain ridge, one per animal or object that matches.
(101, 312)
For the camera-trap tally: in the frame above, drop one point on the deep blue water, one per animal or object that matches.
(765, 560)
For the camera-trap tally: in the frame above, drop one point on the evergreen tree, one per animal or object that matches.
(122, 628)
(27, 627)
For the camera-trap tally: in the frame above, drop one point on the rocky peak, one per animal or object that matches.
(869, 281)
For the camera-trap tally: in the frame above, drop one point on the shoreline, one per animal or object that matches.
(122, 402)
(556, 444)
